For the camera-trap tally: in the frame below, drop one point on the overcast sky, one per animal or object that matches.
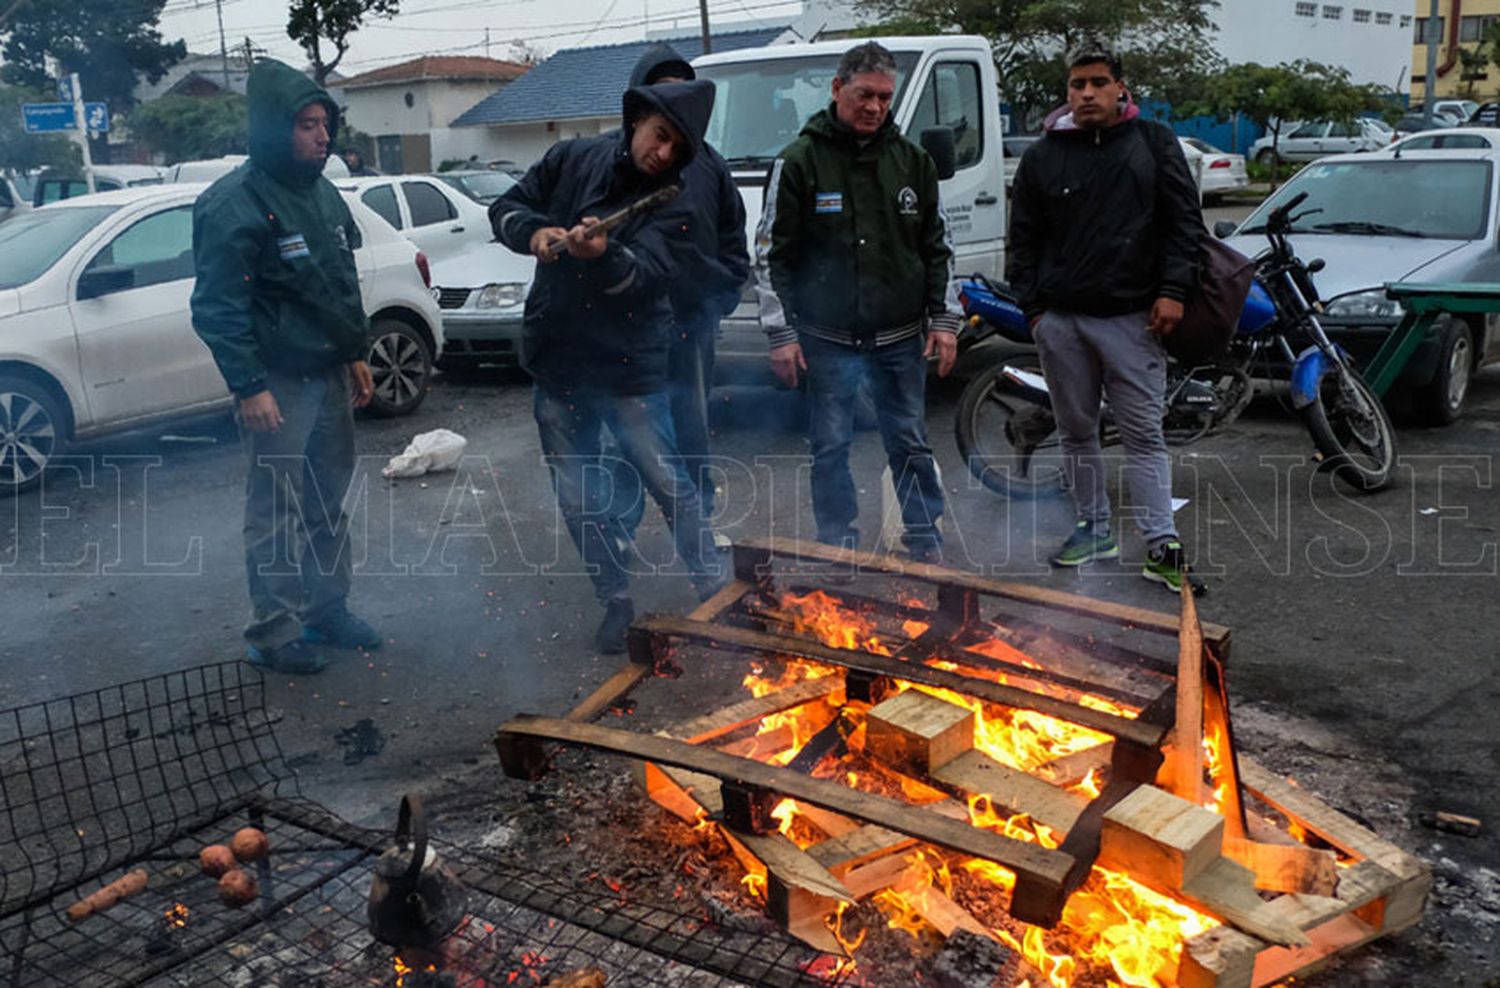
(457, 27)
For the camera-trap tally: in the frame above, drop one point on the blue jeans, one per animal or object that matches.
(897, 375)
(571, 423)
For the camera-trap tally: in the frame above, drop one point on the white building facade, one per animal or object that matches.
(1370, 38)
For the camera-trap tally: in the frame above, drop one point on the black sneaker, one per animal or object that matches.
(610, 638)
(296, 658)
(343, 630)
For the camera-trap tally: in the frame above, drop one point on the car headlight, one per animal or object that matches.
(501, 296)
(1364, 305)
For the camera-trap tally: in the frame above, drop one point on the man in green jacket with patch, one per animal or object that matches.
(277, 301)
(855, 274)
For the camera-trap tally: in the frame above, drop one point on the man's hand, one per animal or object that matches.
(584, 246)
(1165, 315)
(542, 240)
(945, 345)
(786, 361)
(361, 384)
(260, 413)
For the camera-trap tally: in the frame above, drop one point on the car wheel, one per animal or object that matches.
(1266, 158)
(401, 364)
(1441, 402)
(33, 432)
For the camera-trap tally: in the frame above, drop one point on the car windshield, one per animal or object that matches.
(761, 105)
(484, 187)
(1445, 200)
(32, 242)
(1202, 146)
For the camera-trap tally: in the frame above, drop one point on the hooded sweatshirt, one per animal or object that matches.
(1103, 221)
(709, 286)
(277, 285)
(605, 323)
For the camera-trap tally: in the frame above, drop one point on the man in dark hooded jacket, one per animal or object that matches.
(277, 301)
(706, 289)
(598, 327)
(1104, 232)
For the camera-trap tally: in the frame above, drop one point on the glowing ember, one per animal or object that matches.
(403, 969)
(176, 916)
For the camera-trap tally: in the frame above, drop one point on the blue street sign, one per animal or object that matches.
(52, 118)
(65, 89)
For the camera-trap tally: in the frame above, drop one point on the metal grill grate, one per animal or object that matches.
(145, 774)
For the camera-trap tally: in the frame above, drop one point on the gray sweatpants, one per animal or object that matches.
(1084, 357)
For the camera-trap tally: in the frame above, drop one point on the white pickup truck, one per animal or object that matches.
(765, 95)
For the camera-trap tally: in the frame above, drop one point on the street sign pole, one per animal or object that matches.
(81, 122)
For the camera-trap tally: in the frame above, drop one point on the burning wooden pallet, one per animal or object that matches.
(1173, 814)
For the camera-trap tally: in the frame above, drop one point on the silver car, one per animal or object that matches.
(1414, 216)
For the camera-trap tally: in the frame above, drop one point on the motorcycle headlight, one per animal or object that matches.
(501, 296)
(1364, 305)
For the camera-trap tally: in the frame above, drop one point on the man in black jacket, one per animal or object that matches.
(706, 289)
(855, 273)
(1104, 234)
(598, 326)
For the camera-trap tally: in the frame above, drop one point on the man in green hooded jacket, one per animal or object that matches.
(277, 301)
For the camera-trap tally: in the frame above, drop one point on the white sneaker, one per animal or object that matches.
(722, 541)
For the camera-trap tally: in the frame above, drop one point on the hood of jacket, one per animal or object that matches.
(826, 124)
(1060, 120)
(277, 93)
(687, 105)
(657, 61)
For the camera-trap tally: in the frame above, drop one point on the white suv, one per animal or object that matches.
(96, 335)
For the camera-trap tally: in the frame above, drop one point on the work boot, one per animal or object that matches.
(1166, 564)
(1084, 546)
(610, 638)
(296, 658)
(340, 629)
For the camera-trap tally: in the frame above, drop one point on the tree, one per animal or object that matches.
(1161, 42)
(1274, 95)
(185, 128)
(109, 44)
(1471, 65)
(22, 152)
(310, 23)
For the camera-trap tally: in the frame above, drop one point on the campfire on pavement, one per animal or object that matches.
(1049, 808)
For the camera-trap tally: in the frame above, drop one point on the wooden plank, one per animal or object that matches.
(830, 824)
(761, 746)
(859, 847)
(761, 643)
(1183, 771)
(605, 696)
(1012, 789)
(727, 597)
(917, 732)
(1160, 839)
(792, 865)
(748, 711)
(1227, 890)
(1285, 867)
(1071, 603)
(1047, 867)
(968, 655)
(1337, 935)
(1220, 958)
(1069, 770)
(868, 879)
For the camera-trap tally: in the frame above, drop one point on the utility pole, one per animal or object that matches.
(223, 45)
(1429, 82)
(81, 123)
(708, 45)
(486, 42)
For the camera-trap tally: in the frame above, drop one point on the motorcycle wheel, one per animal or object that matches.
(1350, 427)
(989, 415)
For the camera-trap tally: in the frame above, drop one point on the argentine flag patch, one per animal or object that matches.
(829, 202)
(293, 247)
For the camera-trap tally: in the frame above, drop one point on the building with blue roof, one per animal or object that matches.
(575, 93)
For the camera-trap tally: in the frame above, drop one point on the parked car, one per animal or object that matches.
(13, 200)
(212, 169)
(96, 335)
(1310, 141)
(54, 186)
(1450, 139)
(1013, 148)
(483, 186)
(1461, 110)
(439, 219)
(482, 293)
(1399, 215)
(1416, 123)
(1216, 171)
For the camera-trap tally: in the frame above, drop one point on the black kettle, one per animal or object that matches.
(415, 901)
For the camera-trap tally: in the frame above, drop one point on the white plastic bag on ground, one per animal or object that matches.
(428, 452)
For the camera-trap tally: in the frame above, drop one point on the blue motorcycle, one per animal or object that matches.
(1008, 436)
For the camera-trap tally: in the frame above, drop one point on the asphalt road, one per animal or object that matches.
(1367, 619)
